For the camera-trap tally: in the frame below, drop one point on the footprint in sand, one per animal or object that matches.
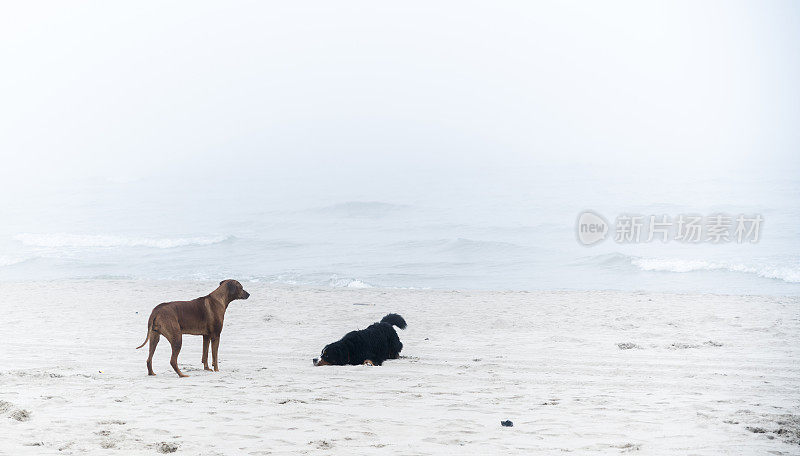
(321, 444)
(287, 401)
(5, 406)
(627, 447)
(166, 447)
(682, 346)
(627, 345)
(21, 415)
(105, 422)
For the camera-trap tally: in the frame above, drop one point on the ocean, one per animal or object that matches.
(469, 227)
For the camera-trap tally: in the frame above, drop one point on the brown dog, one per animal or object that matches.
(201, 316)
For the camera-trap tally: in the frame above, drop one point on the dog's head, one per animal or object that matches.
(335, 354)
(234, 289)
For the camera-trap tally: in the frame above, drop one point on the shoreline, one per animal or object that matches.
(304, 287)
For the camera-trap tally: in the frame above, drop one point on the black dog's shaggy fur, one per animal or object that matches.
(377, 343)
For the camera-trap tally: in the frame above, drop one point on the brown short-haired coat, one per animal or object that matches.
(202, 316)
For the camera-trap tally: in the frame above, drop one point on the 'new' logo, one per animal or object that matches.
(591, 228)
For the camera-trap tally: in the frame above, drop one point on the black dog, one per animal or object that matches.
(371, 346)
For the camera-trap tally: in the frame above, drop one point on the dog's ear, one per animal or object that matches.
(222, 283)
(231, 288)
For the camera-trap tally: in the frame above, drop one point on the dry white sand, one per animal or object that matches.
(587, 373)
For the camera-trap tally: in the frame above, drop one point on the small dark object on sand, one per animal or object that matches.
(506, 423)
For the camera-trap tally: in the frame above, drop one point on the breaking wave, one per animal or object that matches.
(460, 245)
(678, 265)
(368, 209)
(10, 261)
(791, 275)
(100, 240)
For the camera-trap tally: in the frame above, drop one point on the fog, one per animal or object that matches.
(255, 89)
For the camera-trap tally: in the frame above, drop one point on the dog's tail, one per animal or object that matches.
(394, 319)
(149, 326)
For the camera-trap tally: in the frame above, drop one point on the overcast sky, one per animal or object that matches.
(131, 90)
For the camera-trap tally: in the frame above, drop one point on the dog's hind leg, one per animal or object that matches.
(394, 352)
(176, 341)
(206, 342)
(154, 336)
(215, 351)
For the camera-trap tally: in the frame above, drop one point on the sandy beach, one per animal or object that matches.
(576, 372)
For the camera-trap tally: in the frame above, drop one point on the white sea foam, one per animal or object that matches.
(791, 275)
(337, 282)
(358, 284)
(100, 240)
(314, 280)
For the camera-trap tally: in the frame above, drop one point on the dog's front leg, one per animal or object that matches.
(206, 342)
(215, 351)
